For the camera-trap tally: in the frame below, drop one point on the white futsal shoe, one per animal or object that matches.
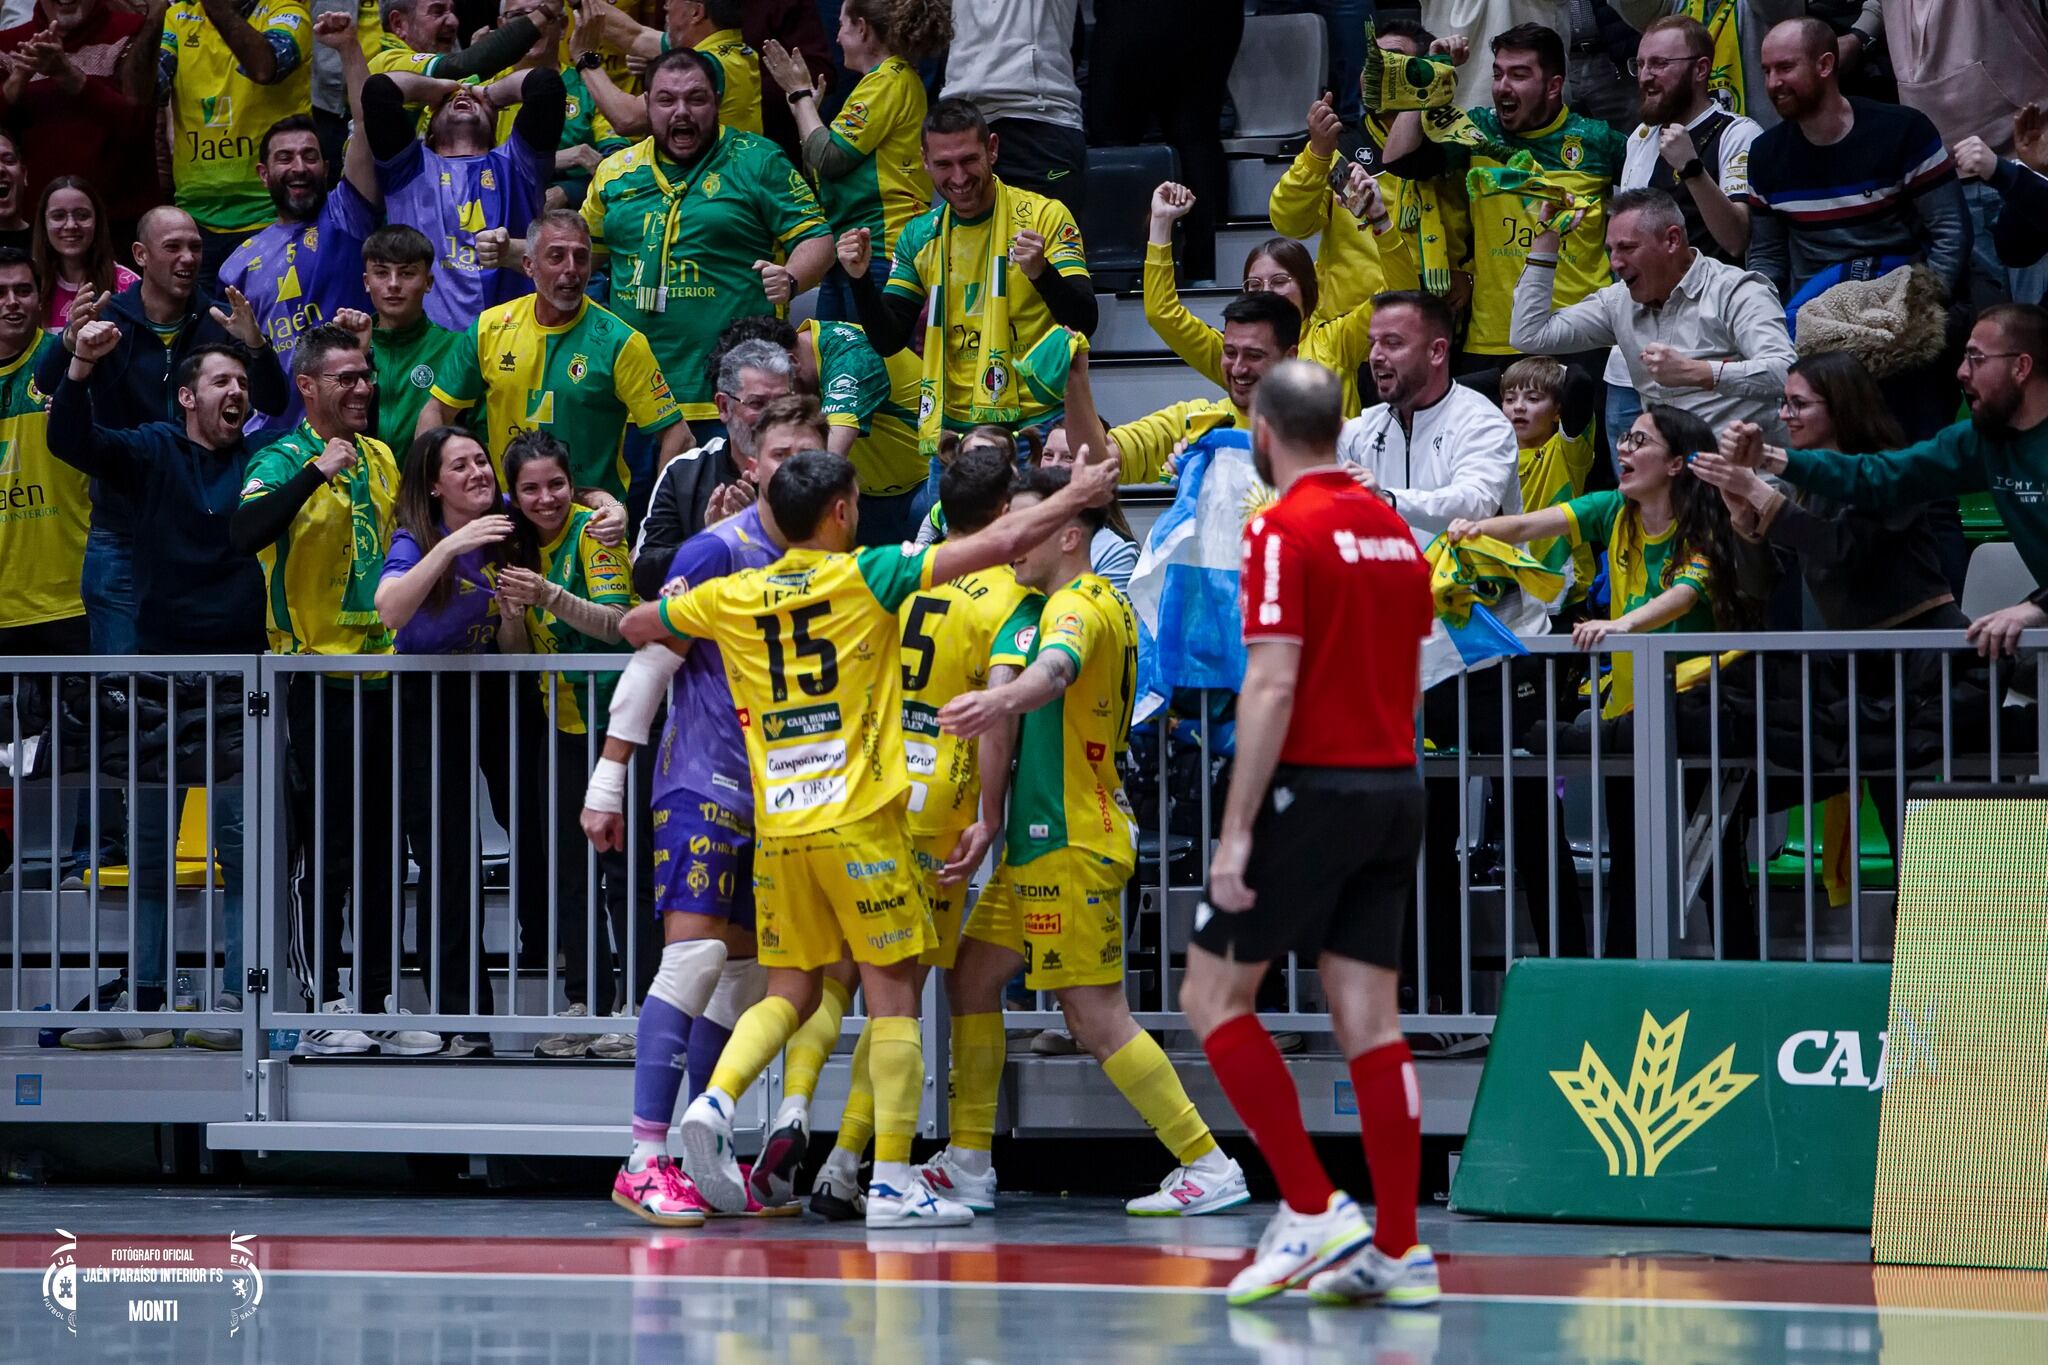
(708, 1156)
(1297, 1246)
(1210, 1183)
(897, 1198)
(946, 1177)
(1372, 1276)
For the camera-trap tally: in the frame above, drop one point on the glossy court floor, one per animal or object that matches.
(513, 1279)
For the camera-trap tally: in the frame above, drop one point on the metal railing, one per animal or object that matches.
(411, 822)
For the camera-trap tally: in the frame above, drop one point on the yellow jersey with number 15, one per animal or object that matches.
(952, 635)
(812, 652)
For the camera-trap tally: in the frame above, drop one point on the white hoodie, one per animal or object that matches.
(1459, 463)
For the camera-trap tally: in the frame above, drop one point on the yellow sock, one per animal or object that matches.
(1141, 1070)
(755, 1040)
(896, 1067)
(978, 1051)
(814, 1042)
(857, 1121)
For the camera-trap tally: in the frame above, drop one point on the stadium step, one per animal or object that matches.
(1236, 240)
(1123, 330)
(1252, 179)
(1127, 389)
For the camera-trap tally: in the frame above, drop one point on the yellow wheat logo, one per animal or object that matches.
(1639, 1127)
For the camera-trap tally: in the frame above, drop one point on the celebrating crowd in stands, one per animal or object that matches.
(342, 333)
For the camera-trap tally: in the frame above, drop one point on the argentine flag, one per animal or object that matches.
(1184, 590)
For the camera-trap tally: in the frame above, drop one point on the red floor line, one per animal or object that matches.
(749, 1257)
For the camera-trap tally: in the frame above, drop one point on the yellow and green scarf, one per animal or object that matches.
(1479, 572)
(1389, 82)
(366, 543)
(995, 397)
(1726, 27)
(653, 298)
(1523, 178)
(1417, 210)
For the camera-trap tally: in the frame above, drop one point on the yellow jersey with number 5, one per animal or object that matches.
(812, 650)
(952, 635)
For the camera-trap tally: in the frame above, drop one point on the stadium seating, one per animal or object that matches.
(1278, 74)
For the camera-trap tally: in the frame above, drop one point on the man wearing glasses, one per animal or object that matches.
(2002, 450)
(1693, 149)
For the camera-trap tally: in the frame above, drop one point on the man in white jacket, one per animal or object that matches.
(1438, 451)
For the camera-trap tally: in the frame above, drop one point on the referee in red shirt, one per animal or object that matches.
(1320, 837)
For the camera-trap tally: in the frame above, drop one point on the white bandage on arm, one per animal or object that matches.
(741, 984)
(638, 695)
(689, 974)
(606, 790)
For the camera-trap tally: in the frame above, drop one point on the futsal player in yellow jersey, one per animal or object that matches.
(1058, 910)
(957, 637)
(812, 646)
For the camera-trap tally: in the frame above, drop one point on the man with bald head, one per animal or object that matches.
(1844, 179)
(164, 317)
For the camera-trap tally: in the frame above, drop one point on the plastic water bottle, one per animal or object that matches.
(186, 995)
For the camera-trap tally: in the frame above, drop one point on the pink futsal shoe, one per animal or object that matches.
(661, 1194)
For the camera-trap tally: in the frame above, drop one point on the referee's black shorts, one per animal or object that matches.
(1333, 867)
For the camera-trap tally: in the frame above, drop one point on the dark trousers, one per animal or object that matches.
(1046, 158)
(585, 879)
(336, 759)
(1168, 81)
(1535, 846)
(443, 812)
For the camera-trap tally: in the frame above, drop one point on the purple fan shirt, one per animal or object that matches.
(467, 623)
(297, 276)
(451, 199)
(702, 749)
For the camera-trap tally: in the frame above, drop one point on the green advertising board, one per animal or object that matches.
(1732, 1093)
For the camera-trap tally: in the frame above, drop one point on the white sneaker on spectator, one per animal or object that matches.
(95, 1039)
(404, 1042)
(336, 1042)
(218, 1039)
(1210, 1183)
(613, 1046)
(566, 1044)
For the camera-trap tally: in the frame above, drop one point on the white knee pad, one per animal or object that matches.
(689, 974)
(741, 984)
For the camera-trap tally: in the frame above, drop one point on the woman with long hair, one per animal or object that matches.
(574, 590)
(868, 162)
(1671, 568)
(1280, 265)
(1865, 570)
(438, 595)
(72, 248)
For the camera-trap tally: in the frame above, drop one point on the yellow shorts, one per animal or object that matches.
(854, 886)
(928, 855)
(1063, 911)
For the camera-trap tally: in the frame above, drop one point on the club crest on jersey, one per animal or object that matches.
(1026, 636)
(488, 180)
(422, 377)
(579, 365)
(1572, 152)
(995, 378)
(712, 184)
(312, 238)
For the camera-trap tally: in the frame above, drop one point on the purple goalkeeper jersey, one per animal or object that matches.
(702, 749)
(451, 199)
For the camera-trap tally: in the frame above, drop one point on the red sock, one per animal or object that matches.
(1390, 1112)
(1254, 1076)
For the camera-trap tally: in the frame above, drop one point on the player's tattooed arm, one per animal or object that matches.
(976, 713)
(995, 748)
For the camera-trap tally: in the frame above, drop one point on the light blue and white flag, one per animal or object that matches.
(1184, 590)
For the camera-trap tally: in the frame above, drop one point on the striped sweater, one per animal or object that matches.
(1887, 189)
